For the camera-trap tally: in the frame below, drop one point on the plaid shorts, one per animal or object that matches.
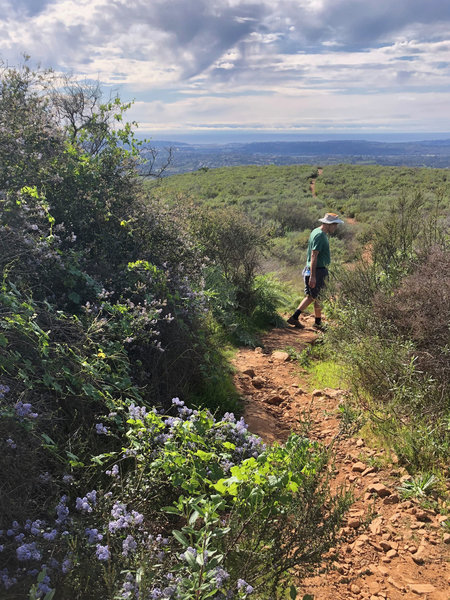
(321, 275)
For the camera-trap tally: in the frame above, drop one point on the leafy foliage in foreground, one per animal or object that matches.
(104, 317)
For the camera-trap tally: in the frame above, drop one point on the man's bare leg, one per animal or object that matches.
(305, 303)
(317, 310)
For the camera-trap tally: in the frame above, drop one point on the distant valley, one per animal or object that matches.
(191, 157)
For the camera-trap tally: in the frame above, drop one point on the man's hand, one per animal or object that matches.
(312, 281)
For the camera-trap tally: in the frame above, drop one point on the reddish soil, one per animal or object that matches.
(389, 549)
(312, 184)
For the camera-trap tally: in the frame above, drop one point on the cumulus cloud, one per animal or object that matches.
(222, 53)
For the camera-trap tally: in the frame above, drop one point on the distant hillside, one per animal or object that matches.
(281, 192)
(191, 157)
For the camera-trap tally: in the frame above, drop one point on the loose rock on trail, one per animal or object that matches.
(389, 549)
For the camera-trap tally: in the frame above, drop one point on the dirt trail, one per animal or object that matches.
(390, 549)
(312, 184)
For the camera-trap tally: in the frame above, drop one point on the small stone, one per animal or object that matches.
(258, 350)
(280, 356)
(339, 568)
(386, 559)
(368, 471)
(358, 467)
(383, 571)
(353, 523)
(392, 553)
(385, 545)
(316, 393)
(399, 586)
(423, 516)
(392, 499)
(355, 589)
(407, 504)
(359, 443)
(421, 588)
(249, 372)
(418, 558)
(375, 526)
(394, 545)
(275, 400)
(412, 549)
(446, 538)
(258, 382)
(379, 489)
(376, 546)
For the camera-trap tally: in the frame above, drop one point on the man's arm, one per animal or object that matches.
(312, 277)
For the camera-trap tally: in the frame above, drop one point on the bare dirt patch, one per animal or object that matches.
(312, 185)
(390, 549)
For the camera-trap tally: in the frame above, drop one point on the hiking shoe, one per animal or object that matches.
(295, 322)
(320, 326)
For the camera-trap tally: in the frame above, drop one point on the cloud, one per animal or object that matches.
(310, 110)
(239, 51)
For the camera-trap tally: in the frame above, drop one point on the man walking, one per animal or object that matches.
(315, 272)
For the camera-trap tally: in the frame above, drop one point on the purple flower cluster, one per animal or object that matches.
(6, 579)
(114, 472)
(244, 586)
(137, 412)
(4, 389)
(157, 545)
(101, 429)
(24, 409)
(221, 576)
(43, 586)
(102, 552)
(122, 518)
(61, 510)
(130, 588)
(128, 545)
(87, 503)
(28, 552)
(93, 535)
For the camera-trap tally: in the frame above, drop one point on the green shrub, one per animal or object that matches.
(391, 331)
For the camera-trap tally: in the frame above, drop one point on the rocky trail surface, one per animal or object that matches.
(390, 549)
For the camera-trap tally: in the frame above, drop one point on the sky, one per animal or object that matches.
(234, 67)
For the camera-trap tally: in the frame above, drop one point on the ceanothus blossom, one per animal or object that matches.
(102, 552)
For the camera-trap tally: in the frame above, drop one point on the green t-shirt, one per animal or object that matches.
(318, 240)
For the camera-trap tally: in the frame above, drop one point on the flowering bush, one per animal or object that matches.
(191, 507)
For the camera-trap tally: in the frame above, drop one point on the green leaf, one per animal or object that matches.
(205, 456)
(173, 510)
(180, 538)
(195, 515)
(48, 440)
